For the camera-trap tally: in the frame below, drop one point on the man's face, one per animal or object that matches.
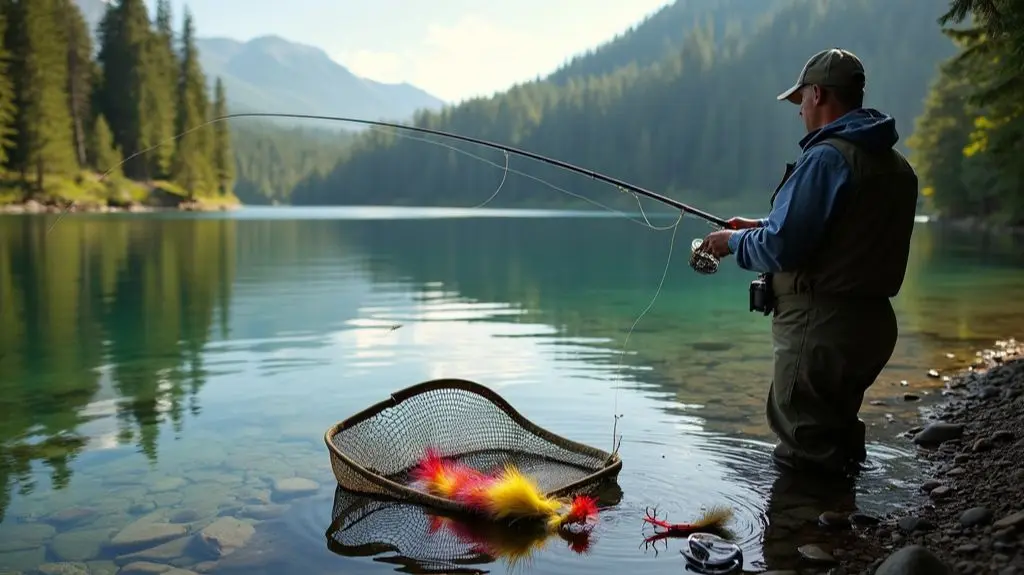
(807, 98)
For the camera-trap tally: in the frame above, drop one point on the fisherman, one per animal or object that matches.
(830, 254)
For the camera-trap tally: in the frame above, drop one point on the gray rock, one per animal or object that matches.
(65, 568)
(1013, 520)
(975, 516)
(145, 533)
(162, 553)
(911, 524)
(913, 560)
(143, 568)
(24, 536)
(167, 484)
(834, 519)
(262, 512)
(71, 516)
(815, 553)
(80, 545)
(293, 487)
(938, 433)
(224, 536)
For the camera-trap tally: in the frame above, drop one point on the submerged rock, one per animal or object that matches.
(22, 536)
(80, 545)
(146, 533)
(938, 433)
(65, 568)
(913, 560)
(293, 487)
(224, 536)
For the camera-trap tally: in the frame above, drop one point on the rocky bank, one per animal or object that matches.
(53, 207)
(973, 447)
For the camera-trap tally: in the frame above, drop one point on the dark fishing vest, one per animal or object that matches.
(865, 244)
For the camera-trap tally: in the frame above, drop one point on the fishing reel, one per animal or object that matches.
(702, 262)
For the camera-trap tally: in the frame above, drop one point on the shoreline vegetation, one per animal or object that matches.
(70, 111)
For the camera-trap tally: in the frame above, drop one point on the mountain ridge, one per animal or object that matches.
(273, 74)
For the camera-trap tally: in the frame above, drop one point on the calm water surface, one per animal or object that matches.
(162, 375)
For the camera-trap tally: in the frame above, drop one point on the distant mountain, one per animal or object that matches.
(272, 74)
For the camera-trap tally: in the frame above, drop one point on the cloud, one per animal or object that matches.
(388, 67)
(471, 56)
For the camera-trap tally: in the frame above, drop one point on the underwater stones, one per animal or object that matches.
(71, 516)
(81, 545)
(143, 568)
(293, 487)
(262, 512)
(101, 567)
(63, 568)
(146, 533)
(167, 498)
(167, 484)
(224, 536)
(206, 498)
(21, 536)
(162, 553)
(24, 559)
(184, 516)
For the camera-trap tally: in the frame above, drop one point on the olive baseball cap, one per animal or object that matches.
(832, 68)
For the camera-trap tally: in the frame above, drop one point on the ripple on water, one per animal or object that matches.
(647, 479)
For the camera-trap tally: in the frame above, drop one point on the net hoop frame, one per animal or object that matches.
(609, 470)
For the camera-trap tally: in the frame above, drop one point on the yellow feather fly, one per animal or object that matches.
(516, 495)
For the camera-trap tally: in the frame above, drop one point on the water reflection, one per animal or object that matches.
(153, 367)
(419, 540)
(102, 318)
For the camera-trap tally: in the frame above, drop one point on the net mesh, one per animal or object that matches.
(374, 451)
(367, 526)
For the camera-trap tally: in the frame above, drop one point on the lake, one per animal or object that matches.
(163, 375)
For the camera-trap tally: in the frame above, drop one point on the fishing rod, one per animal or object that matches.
(552, 161)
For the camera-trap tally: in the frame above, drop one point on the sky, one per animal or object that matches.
(454, 49)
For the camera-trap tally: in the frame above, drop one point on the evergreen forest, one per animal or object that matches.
(969, 141)
(71, 111)
(684, 104)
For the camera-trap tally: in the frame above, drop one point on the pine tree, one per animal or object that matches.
(125, 57)
(162, 90)
(103, 153)
(193, 158)
(7, 110)
(43, 145)
(80, 73)
(223, 157)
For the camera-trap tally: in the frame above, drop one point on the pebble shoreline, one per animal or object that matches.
(973, 448)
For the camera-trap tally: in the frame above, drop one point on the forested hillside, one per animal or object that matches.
(969, 143)
(271, 160)
(702, 121)
(663, 33)
(65, 115)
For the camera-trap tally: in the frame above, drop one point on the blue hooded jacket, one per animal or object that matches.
(804, 203)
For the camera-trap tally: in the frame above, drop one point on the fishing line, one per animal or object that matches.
(700, 261)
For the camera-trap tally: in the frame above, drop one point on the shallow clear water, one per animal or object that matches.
(170, 369)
